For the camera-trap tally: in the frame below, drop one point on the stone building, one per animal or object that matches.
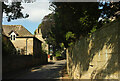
(38, 35)
(24, 42)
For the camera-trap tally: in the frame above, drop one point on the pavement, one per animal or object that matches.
(49, 71)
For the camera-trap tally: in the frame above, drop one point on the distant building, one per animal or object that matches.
(38, 35)
(24, 42)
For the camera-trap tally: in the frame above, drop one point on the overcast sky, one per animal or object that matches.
(36, 11)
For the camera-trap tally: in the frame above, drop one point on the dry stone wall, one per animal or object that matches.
(96, 57)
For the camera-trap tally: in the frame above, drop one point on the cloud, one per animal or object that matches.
(4, 15)
(36, 10)
(42, 0)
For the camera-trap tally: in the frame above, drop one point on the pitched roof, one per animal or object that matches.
(19, 29)
(13, 31)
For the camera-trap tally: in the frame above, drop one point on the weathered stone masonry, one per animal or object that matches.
(96, 57)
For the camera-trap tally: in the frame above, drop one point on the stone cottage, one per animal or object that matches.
(24, 42)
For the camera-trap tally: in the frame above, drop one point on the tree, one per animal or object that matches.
(73, 20)
(46, 27)
(110, 9)
(67, 23)
(13, 11)
(70, 21)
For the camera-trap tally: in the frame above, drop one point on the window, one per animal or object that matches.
(13, 37)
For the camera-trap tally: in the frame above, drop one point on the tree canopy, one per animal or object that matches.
(14, 10)
(71, 21)
(110, 9)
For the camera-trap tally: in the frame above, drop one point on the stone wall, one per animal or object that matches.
(96, 57)
(37, 48)
(44, 44)
(16, 63)
(38, 35)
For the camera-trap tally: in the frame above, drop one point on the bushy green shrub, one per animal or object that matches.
(58, 53)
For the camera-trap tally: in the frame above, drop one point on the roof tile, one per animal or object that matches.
(19, 29)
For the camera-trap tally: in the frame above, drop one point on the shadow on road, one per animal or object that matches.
(48, 71)
(51, 63)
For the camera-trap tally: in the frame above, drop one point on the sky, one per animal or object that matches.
(36, 11)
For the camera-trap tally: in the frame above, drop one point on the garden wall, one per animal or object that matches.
(14, 63)
(96, 57)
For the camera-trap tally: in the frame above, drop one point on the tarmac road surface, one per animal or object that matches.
(49, 71)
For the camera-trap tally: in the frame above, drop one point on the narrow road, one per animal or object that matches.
(49, 71)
